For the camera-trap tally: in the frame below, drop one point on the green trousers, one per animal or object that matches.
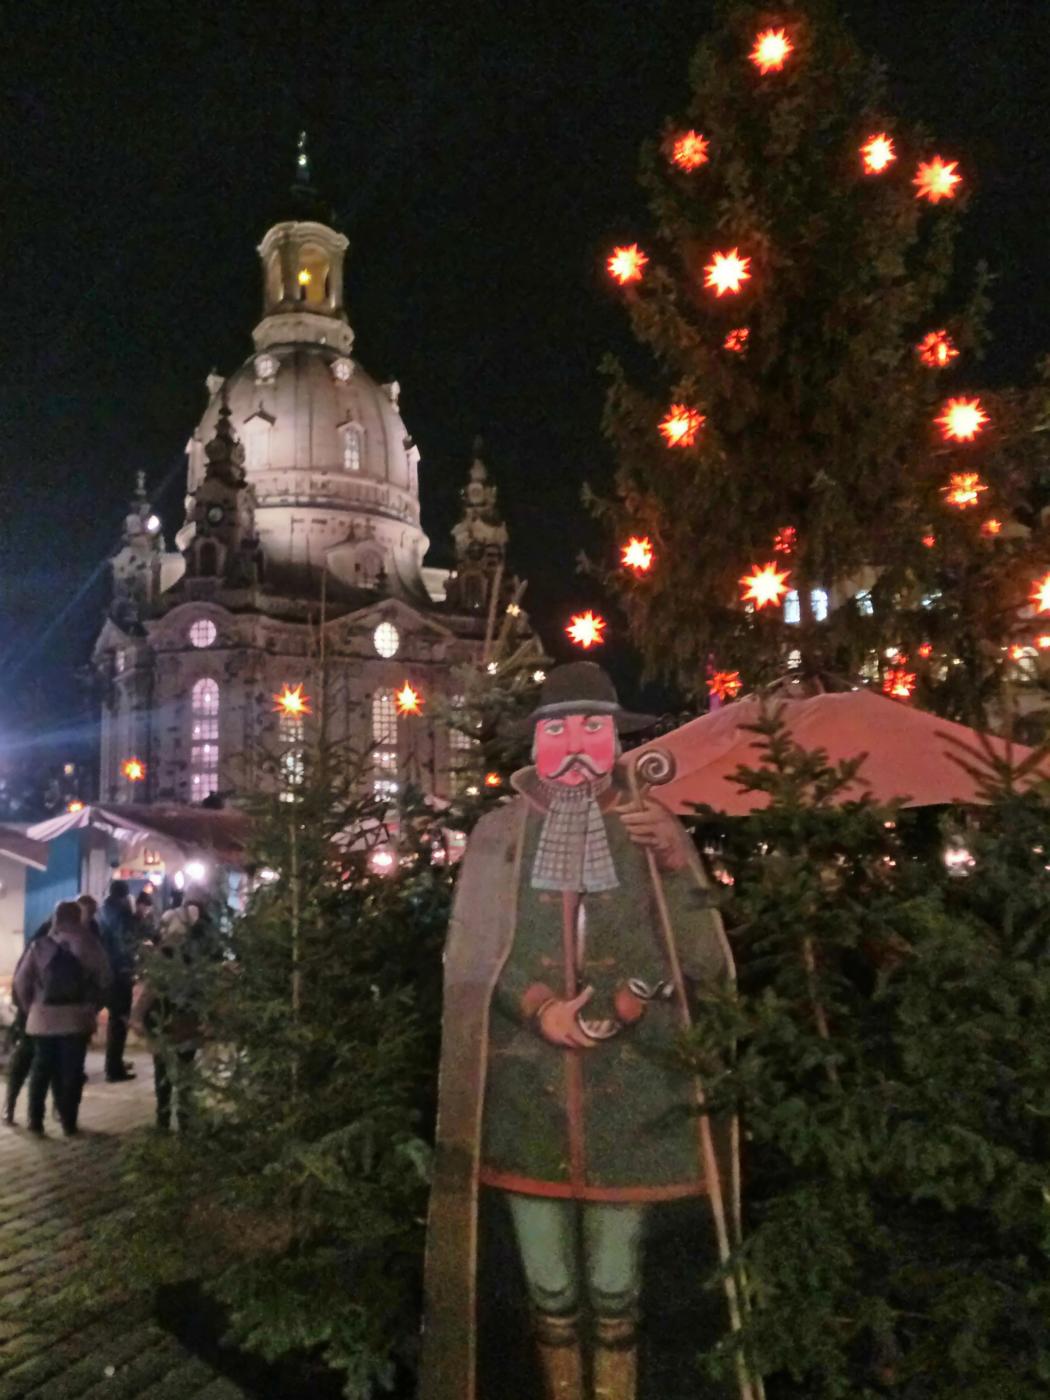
(563, 1243)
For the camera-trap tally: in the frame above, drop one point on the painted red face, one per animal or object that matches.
(574, 749)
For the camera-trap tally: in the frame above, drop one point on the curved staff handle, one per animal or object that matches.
(654, 767)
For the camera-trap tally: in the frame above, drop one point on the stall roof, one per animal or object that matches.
(20, 846)
(221, 830)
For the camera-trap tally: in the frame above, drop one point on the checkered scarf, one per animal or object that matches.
(573, 853)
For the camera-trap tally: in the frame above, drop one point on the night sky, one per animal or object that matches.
(481, 157)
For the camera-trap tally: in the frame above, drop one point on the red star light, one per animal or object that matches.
(408, 699)
(681, 425)
(133, 769)
(1043, 641)
(926, 650)
(727, 272)
(689, 150)
(736, 340)
(638, 554)
(937, 349)
(785, 539)
(936, 180)
(493, 780)
(725, 685)
(992, 527)
(929, 541)
(292, 701)
(877, 153)
(586, 630)
(771, 49)
(898, 683)
(964, 489)
(962, 419)
(765, 585)
(1040, 597)
(627, 264)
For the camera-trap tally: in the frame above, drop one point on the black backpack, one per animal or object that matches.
(64, 979)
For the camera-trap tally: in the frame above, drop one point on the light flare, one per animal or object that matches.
(725, 685)
(964, 489)
(408, 700)
(898, 683)
(689, 150)
(937, 350)
(133, 769)
(736, 340)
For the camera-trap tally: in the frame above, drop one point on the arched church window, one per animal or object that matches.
(352, 448)
(204, 739)
(208, 559)
(368, 568)
(312, 275)
(384, 743)
(202, 632)
(291, 760)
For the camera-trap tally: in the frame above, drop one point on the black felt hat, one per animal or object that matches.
(583, 688)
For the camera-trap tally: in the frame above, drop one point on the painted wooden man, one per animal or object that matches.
(583, 924)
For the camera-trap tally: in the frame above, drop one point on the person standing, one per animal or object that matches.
(117, 926)
(21, 1061)
(62, 982)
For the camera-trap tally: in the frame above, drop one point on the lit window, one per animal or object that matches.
(792, 609)
(386, 639)
(865, 603)
(384, 743)
(204, 739)
(202, 632)
(291, 764)
(464, 759)
(352, 449)
(818, 601)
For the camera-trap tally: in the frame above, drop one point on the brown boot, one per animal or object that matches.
(615, 1359)
(559, 1347)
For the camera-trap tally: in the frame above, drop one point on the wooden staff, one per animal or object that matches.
(653, 768)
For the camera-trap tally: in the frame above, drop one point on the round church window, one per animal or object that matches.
(387, 639)
(203, 632)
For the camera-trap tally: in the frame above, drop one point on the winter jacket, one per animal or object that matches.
(78, 1019)
(116, 923)
(176, 976)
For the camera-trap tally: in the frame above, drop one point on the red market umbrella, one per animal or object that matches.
(909, 752)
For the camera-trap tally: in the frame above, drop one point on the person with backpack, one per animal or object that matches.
(61, 982)
(116, 921)
(19, 1042)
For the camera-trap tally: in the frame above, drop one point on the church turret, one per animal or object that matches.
(221, 512)
(136, 565)
(480, 540)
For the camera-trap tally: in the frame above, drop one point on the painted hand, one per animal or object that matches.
(558, 1024)
(653, 827)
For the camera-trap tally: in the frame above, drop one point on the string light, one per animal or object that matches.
(962, 419)
(771, 50)
(493, 780)
(291, 701)
(727, 272)
(638, 554)
(409, 701)
(725, 685)
(785, 539)
(936, 180)
(765, 585)
(898, 683)
(627, 264)
(736, 340)
(586, 630)
(75, 806)
(937, 349)
(992, 527)
(964, 489)
(1040, 596)
(133, 769)
(878, 153)
(689, 150)
(681, 425)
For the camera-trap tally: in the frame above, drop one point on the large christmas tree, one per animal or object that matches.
(809, 471)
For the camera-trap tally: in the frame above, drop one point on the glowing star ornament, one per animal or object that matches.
(725, 685)
(1040, 596)
(133, 769)
(992, 527)
(962, 419)
(785, 539)
(637, 554)
(765, 585)
(926, 650)
(689, 150)
(1043, 641)
(627, 264)
(771, 50)
(877, 154)
(937, 350)
(964, 490)
(898, 683)
(586, 630)
(493, 780)
(681, 424)
(408, 700)
(929, 541)
(736, 340)
(291, 701)
(936, 180)
(727, 272)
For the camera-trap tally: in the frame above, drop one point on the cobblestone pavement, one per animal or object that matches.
(50, 1191)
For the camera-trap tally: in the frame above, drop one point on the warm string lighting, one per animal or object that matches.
(689, 150)
(75, 806)
(937, 349)
(936, 179)
(899, 683)
(878, 154)
(765, 585)
(725, 685)
(681, 424)
(785, 540)
(637, 554)
(727, 272)
(290, 700)
(133, 769)
(772, 47)
(586, 629)
(627, 264)
(736, 340)
(408, 700)
(964, 489)
(992, 527)
(962, 419)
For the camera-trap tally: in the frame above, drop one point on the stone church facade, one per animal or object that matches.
(300, 563)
